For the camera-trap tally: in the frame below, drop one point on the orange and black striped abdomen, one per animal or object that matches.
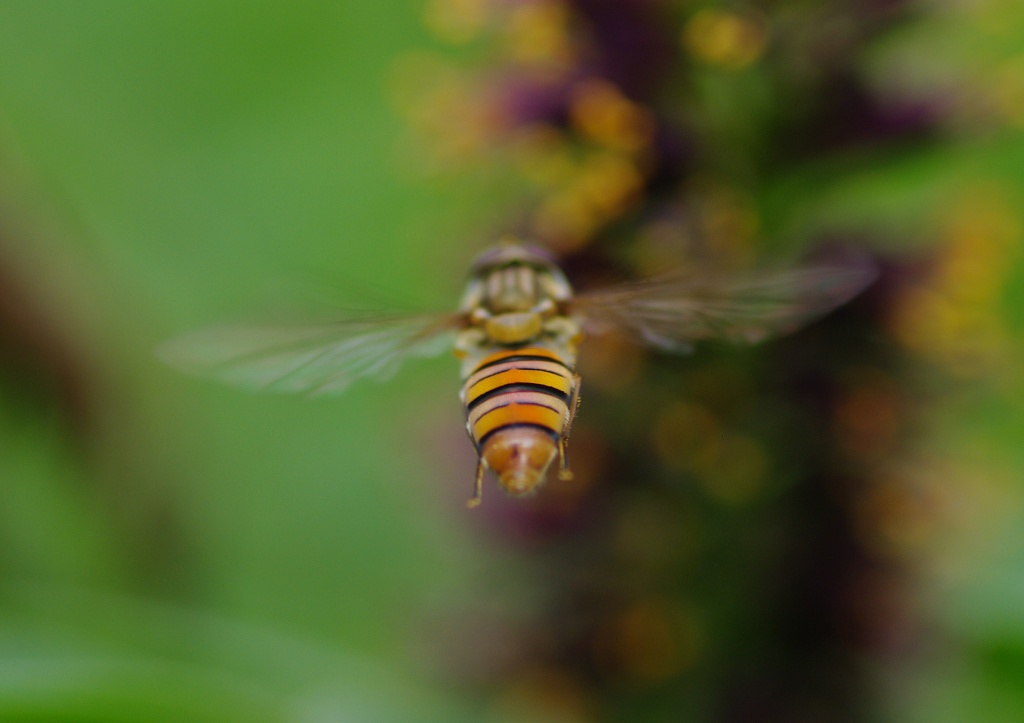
(528, 388)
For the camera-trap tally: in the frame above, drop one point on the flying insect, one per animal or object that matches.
(517, 332)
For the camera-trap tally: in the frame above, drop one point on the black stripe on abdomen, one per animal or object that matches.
(518, 387)
(517, 425)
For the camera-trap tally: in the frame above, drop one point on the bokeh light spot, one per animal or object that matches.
(727, 39)
(649, 642)
(545, 694)
(737, 473)
(869, 417)
(537, 35)
(687, 435)
(600, 112)
(456, 21)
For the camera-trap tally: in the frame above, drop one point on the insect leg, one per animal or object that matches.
(563, 461)
(478, 487)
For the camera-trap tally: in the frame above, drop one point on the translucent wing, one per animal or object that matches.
(320, 358)
(673, 311)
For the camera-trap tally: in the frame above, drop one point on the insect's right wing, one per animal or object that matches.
(321, 358)
(671, 312)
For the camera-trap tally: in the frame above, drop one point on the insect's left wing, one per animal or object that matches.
(671, 312)
(322, 358)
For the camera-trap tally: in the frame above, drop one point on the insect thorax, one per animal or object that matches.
(516, 296)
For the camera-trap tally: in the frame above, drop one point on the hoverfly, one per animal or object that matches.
(516, 332)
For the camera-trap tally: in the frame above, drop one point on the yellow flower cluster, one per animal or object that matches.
(954, 316)
(598, 167)
(581, 172)
(725, 39)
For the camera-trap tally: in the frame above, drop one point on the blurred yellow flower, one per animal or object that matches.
(724, 38)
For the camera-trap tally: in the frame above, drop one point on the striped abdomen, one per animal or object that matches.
(518, 408)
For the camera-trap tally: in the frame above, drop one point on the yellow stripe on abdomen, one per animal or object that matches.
(544, 399)
(538, 365)
(557, 382)
(515, 414)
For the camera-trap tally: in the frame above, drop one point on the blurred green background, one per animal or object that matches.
(172, 550)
